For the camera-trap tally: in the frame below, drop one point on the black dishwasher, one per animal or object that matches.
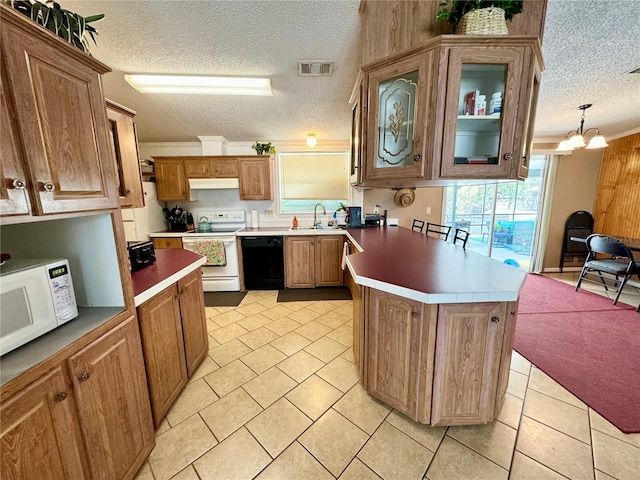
(263, 263)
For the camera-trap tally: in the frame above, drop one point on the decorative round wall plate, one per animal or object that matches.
(404, 197)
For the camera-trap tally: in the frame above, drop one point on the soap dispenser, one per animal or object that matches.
(295, 222)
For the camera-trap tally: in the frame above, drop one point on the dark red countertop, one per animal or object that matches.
(402, 261)
(169, 263)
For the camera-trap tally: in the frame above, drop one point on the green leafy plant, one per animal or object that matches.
(460, 7)
(264, 148)
(66, 24)
(341, 207)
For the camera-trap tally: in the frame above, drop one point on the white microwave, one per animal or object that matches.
(36, 296)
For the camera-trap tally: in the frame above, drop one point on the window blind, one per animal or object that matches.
(314, 176)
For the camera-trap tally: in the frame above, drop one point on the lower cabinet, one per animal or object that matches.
(112, 401)
(313, 261)
(174, 340)
(442, 364)
(40, 432)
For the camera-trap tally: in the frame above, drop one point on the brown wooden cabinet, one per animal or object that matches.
(313, 261)
(171, 179)
(415, 127)
(167, 242)
(40, 434)
(55, 96)
(224, 167)
(125, 148)
(256, 178)
(444, 364)
(109, 382)
(174, 340)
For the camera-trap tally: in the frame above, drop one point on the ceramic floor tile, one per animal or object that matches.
(455, 461)
(314, 396)
(362, 409)
(239, 456)
(295, 463)
(313, 330)
(228, 352)
(276, 312)
(558, 415)
(601, 424)
(303, 316)
(229, 413)
(493, 440)
(263, 359)
(213, 343)
(250, 309)
(615, 457)
(426, 435)
(334, 441)
(163, 427)
(206, 367)
(322, 307)
(517, 384)
(511, 411)
(603, 476)
(340, 373)
(393, 455)
(342, 334)
(192, 399)
(290, 343)
(211, 325)
(178, 447)
(332, 320)
(358, 471)
(269, 386)
(278, 426)
(349, 355)
(228, 378)
(300, 366)
(295, 306)
(258, 338)
(520, 364)
(282, 326)
(187, 474)
(325, 349)
(227, 317)
(254, 321)
(345, 310)
(228, 333)
(556, 450)
(524, 468)
(145, 473)
(541, 382)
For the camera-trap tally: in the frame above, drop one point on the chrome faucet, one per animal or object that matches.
(324, 212)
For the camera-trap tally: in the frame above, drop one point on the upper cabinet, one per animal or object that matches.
(125, 149)
(52, 95)
(255, 174)
(456, 107)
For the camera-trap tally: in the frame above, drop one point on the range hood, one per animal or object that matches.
(213, 183)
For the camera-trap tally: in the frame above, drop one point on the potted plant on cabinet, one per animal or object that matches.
(264, 148)
(479, 17)
(68, 25)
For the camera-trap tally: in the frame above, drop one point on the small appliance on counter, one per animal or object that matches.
(141, 254)
(354, 217)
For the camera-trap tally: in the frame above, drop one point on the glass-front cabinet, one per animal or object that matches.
(480, 113)
(396, 120)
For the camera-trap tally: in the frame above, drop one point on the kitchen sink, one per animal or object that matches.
(304, 228)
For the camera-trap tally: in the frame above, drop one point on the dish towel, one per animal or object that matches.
(213, 250)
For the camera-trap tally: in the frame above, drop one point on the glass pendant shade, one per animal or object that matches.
(577, 141)
(564, 146)
(597, 142)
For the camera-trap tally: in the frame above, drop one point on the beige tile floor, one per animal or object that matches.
(278, 398)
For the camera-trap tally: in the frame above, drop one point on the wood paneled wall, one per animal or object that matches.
(617, 208)
(391, 26)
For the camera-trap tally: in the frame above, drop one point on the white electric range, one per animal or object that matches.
(216, 276)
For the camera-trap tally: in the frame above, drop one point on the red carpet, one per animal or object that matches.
(586, 344)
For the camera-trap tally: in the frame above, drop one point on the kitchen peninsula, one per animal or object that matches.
(433, 323)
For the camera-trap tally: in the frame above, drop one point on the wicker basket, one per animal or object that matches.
(484, 21)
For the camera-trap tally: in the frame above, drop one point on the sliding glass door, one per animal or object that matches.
(500, 217)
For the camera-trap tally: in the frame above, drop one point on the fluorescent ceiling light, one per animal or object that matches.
(200, 84)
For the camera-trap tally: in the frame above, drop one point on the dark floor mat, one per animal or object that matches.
(314, 294)
(223, 299)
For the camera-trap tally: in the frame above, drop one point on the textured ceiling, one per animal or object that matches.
(589, 46)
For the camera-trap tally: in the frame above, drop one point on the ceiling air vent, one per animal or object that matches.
(314, 68)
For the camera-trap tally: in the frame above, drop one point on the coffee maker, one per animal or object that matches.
(354, 217)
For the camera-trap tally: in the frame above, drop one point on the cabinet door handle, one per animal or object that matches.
(18, 184)
(84, 377)
(508, 156)
(415, 315)
(60, 396)
(129, 192)
(495, 319)
(417, 158)
(48, 187)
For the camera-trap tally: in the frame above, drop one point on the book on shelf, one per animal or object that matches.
(471, 102)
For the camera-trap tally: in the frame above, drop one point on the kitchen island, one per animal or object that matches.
(433, 325)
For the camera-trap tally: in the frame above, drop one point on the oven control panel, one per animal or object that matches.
(222, 216)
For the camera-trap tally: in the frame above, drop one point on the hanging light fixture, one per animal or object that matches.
(312, 141)
(576, 140)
